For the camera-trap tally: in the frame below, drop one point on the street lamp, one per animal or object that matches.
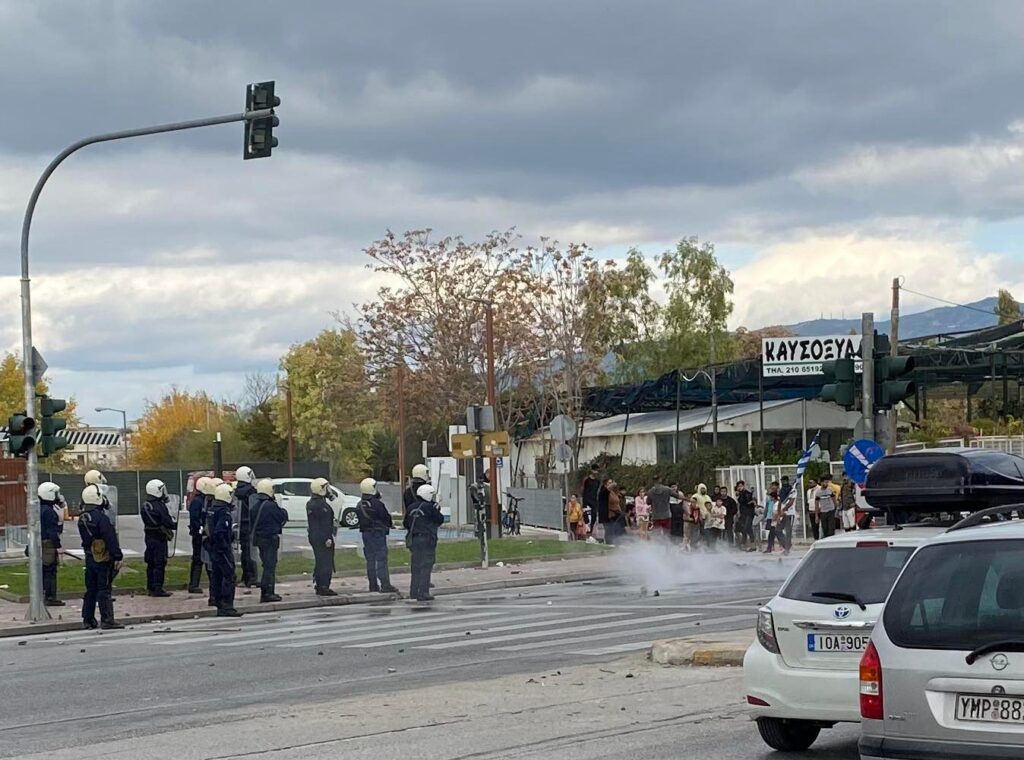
(124, 429)
(260, 119)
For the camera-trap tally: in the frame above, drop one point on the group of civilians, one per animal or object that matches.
(709, 519)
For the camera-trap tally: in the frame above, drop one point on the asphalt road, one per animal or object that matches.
(161, 681)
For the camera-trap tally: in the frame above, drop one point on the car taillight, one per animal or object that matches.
(766, 630)
(871, 706)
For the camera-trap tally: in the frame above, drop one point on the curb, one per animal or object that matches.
(34, 629)
(19, 599)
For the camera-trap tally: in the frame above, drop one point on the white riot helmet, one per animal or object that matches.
(223, 492)
(49, 491)
(368, 487)
(426, 492)
(322, 487)
(265, 487)
(214, 482)
(157, 489)
(95, 478)
(93, 496)
(203, 485)
(245, 475)
(420, 471)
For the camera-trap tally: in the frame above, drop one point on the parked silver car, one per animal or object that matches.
(943, 676)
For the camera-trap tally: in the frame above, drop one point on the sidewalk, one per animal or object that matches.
(297, 593)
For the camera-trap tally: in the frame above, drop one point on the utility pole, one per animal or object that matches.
(218, 458)
(894, 350)
(492, 401)
(867, 350)
(401, 424)
(714, 394)
(291, 430)
(258, 142)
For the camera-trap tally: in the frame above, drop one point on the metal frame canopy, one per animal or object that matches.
(973, 359)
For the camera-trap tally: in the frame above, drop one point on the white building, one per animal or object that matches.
(647, 438)
(99, 447)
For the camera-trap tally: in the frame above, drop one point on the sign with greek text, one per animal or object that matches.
(788, 357)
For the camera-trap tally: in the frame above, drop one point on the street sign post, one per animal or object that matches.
(563, 428)
(859, 457)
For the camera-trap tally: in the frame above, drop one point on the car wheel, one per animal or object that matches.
(787, 735)
(350, 519)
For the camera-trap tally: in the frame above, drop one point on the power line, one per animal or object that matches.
(945, 301)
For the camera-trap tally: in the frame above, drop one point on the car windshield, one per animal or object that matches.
(864, 573)
(959, 596)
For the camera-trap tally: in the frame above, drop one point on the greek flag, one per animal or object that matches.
(801, 464)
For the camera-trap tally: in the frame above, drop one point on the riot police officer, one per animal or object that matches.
(195, 532)
(103, 558)
(220, 532)
(422, 521)
(268, 519)
(158, 527)
(420, 476)
(211, 487)
(374, 524)
(52, 526)
(321, 529)
(245, 495)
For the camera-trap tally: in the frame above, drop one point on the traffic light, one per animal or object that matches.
(20, 434)
(891, 383)
(259, 133)
(50, 442)
(840, 386)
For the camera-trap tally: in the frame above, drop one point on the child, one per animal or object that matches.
(716, 521)
(758, 520)
(574, 516)
(691, 525)
(642, 510)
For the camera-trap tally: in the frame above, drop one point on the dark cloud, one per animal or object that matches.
(532, 96)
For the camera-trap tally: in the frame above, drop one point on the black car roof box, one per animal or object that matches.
(945, 480)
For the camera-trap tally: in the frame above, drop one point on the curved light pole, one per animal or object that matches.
(36, 608)
(124, 428)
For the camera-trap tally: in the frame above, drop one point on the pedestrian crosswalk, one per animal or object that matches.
(445, 626)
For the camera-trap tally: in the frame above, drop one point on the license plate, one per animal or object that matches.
(989, 709)
(837, 642)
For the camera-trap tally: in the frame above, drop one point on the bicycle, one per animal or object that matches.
(510, 519)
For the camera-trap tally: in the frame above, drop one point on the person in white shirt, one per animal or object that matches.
(812, 514)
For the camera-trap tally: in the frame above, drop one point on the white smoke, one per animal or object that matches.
(659, 564)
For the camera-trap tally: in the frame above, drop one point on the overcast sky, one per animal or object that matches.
(824, 147)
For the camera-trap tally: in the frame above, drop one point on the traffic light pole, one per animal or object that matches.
(36, 608)
(867, 351)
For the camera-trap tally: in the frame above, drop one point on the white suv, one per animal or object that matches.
(944, 673)
(801, 673)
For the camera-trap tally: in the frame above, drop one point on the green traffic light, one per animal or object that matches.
(891, 384)
(50, 442)
(841, 388)
(20, 439)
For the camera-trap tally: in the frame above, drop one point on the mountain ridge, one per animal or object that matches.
(940, 320)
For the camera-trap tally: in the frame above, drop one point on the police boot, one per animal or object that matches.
(53, 603)
(111, 625)
(228, 612)
(326, 592)
(160, 593)
(194, 577)
(91, 624)
(266, 598)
